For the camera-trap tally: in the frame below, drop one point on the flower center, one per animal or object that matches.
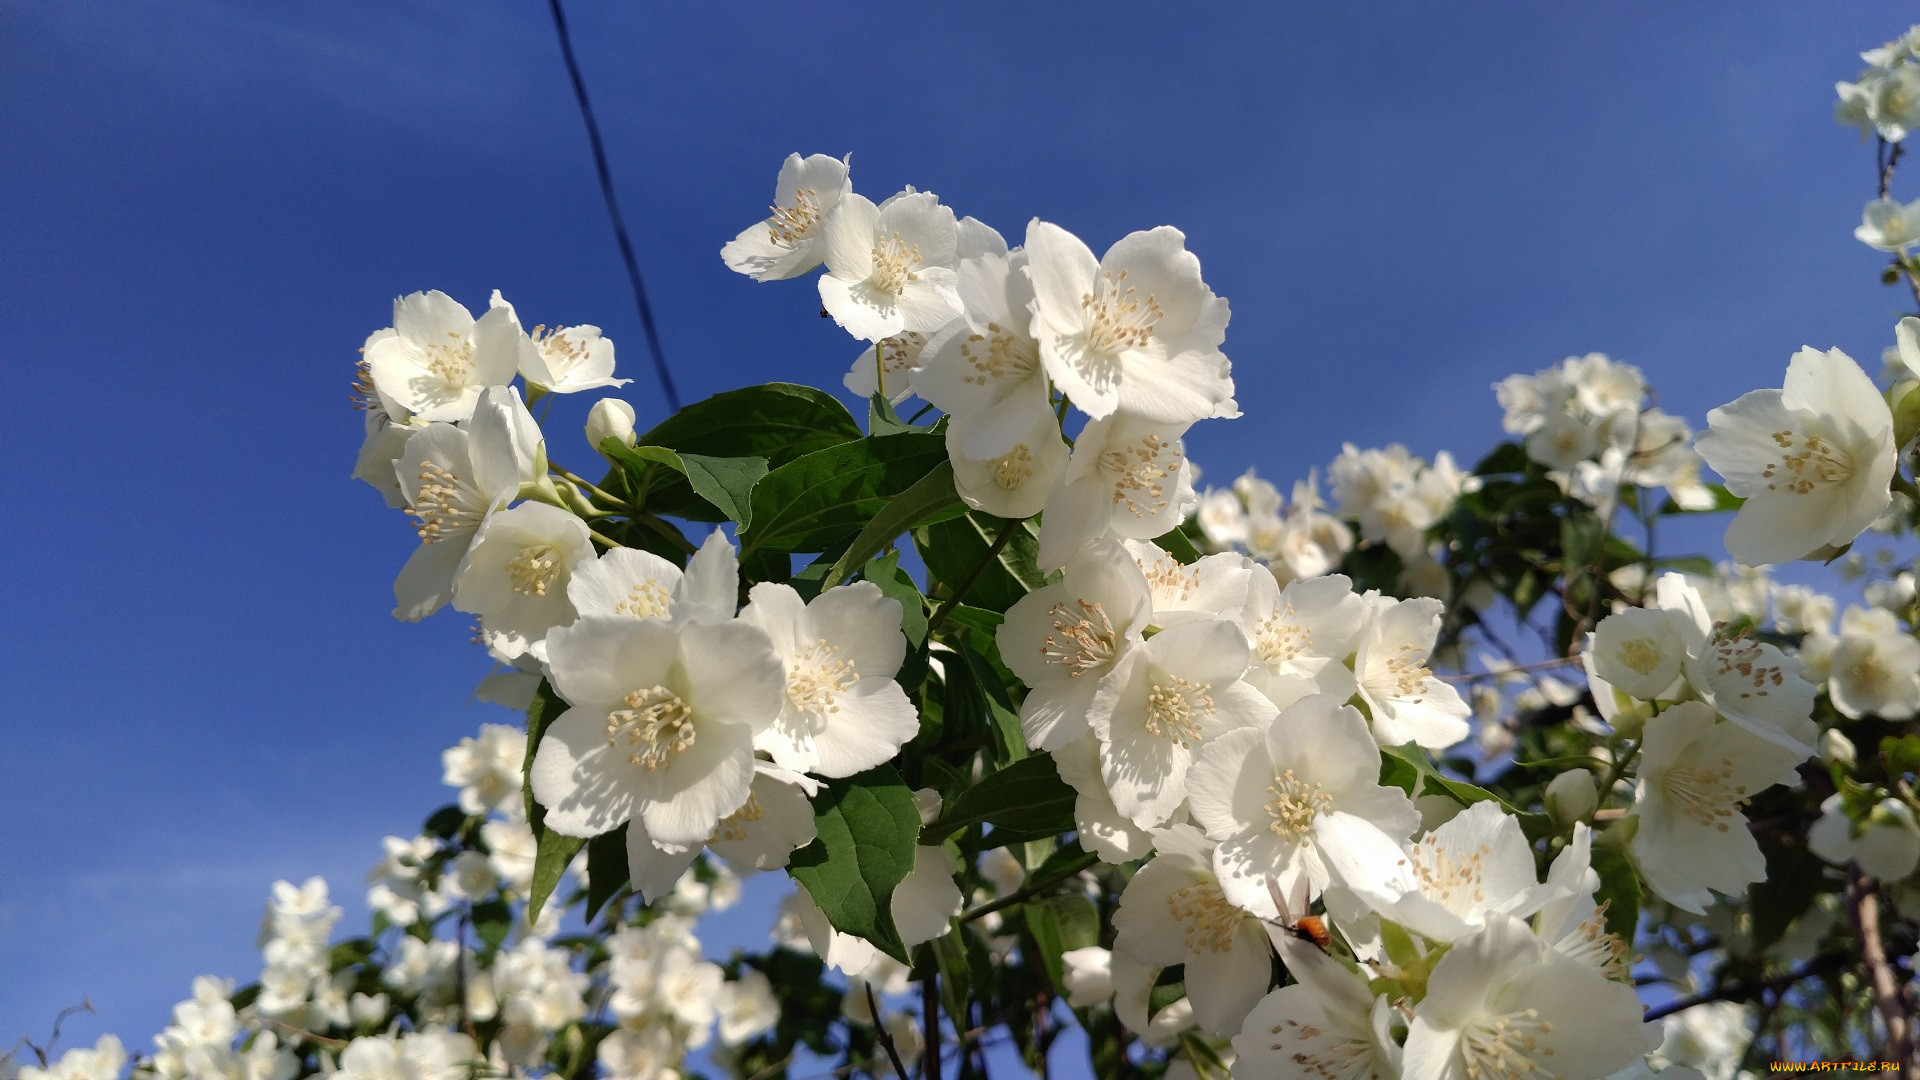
(897, 353)
(1210, 921)
(1506, 1048)
(1118, 318)
(656, 725)
(1706, 793)
(364, 396)
(1079, 643)
(791, 224)
(440, 506)
(894, 262)
(533, 569)
(1170, 580)
(1451, 876)
(1279, 639)
(1135, 471)
(1004, 356)
(1013, 469)
(816, 679)
(733, 827)
(1293, 803)
(1640, 654)
(1807, 463)
(450, 361)
(1407, 672)
(646, 600)
(561, 350)
(1175, 706)
(1349, 1059)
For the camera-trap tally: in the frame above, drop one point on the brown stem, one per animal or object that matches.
(930, 1025)
(1027, 892)
(1742, 991)
(951, 602)
(886, 1037)
(1863, 909)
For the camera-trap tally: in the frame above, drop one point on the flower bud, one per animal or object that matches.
(1837, 749)
(1572, 797)
(610, 416)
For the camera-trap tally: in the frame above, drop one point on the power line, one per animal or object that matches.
(613, 209)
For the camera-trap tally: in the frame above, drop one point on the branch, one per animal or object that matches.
(886, 1037)
(930, 1021)
(951, 602)
(1863, 909)
(1027, 892)
(1743, 991)
(41, 1052)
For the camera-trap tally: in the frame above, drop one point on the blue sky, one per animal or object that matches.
(210, 204)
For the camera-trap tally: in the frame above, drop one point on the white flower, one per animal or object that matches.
(1127, 478)
(1214, 587)
(1014, 484)
(1712, 1037)
(1751, 683)
(486, 769)
(1502, 1004)
(469, 876)
(1136, 332)
(747, 1008)
(1133, 983)
(1887, 844)
(1062, 639)
(1889, 226)
(774, 822)
(661, 726)
(1103, 829)
(890, 267)
(450, 479)
(984, 371)
(1812, 459)
(1405, 701)
(1875, 674)
(610, 418)
(1640, 651)
(1476, 866)
(1163, 700)
(1563, 442)
(515, 575)
(1696, 771)
(1087, 975)
(892, 360)
(103, 1061)
(511, 848)
(1327, 1024)
(394, 883)
(1264, 794)
(1301, 636)
(791, 241)
(634, 584)
(843, 712)
(927, 899)
(1174, 912)
(429, 364)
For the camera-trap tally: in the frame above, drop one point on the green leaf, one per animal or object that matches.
(1723, 500)
(868, 827)
(775, 421)
(492, 920)
(892, 581)
(1620, 891)
(1901, 754)
(606, 869)
(953, 550)
(1169, 987)
(931, 498)
(1505, 458)
(1027, 799)
(1906, 418)
(546, 707)
(1179, 545)
(831, 494)
(1060, 924)
(550, 861)
(444, 822)
(883, 420)
(964, 964)
(1795, 877)
(1409, 768)
(724, 483)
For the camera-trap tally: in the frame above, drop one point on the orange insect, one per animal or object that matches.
(1295, 915)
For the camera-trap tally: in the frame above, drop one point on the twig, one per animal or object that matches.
(1740, 991)
(1863, 909)
(580, 482)
(613, 209)
(59, 1021)
(1520, 669)
(930, 1024)
(946, 606)
(1026, 892)
(886, 1037)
